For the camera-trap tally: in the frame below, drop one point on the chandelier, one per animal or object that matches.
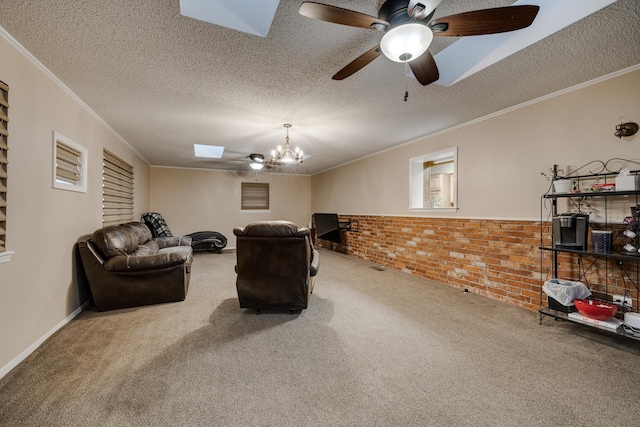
(286, 155)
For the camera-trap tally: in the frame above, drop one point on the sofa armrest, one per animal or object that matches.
(128, 263)
(165, 242)
(315, 264)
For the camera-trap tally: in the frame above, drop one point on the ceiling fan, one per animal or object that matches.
(254, 160)
(257, 161)
(409, 30)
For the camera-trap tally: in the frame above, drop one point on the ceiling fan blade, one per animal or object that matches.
(486, 21)
(425, 69)
(358, 63)
(338, 15)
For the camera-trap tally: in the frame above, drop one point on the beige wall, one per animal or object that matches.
(500, 158)
(37, 290)
(193, 200)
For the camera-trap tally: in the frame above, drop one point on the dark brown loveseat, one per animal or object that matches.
(276, 265)
(126, 267)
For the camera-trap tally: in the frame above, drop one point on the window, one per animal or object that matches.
(69, 164)
(433, 181)
(4, 136)
(255, 196)
(117, 190)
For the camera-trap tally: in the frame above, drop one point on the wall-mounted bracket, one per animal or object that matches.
(350, 225)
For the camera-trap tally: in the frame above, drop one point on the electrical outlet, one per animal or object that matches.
(622, 300)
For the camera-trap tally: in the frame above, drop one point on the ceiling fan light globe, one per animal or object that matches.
(256, 166)
(406, 42)
(257, 158)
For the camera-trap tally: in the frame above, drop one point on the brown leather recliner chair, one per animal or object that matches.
(276, 265)
(126, 267)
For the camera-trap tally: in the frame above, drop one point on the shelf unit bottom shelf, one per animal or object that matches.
(559, 315)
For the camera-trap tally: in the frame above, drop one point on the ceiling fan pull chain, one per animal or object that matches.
(406, 86)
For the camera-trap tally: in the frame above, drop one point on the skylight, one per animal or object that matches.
(249, 16)
(472, 54)
(209, 151)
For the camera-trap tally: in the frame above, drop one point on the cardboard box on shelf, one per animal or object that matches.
(628, 183)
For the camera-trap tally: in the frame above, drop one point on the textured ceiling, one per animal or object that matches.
(164, 81)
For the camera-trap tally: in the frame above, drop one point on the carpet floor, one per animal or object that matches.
(375, 348)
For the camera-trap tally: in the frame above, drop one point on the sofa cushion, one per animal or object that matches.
(166, 242)
(148, 248)
(140, 230)
(182, 251)
(149, 263)
(114, 240)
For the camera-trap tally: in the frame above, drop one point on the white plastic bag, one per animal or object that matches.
(565, 291)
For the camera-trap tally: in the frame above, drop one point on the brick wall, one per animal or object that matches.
(495, 258)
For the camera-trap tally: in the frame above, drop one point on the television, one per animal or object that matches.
(327, 227)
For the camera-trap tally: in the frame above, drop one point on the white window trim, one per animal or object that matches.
(81, 186)
(436, 210)
(416, 181)
(6, 256)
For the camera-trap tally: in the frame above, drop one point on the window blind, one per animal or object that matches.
(117, 190)
(255, 196)
(68, 164)
(4, 162)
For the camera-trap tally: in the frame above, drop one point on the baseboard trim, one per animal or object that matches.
(15, 362)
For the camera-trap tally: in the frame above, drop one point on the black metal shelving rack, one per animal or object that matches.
(618, 258)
